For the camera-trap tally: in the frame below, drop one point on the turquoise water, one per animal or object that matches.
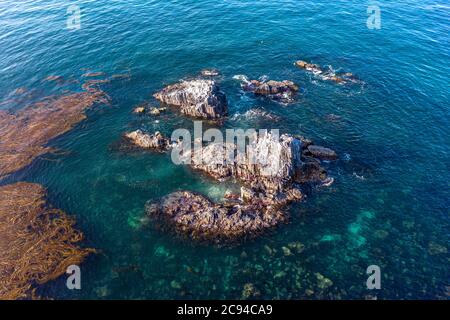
(389, 204)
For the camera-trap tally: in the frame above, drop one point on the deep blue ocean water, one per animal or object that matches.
(389, 205)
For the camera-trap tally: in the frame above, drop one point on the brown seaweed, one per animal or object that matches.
(37, 242)
(24, 135)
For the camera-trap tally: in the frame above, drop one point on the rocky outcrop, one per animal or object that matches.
(284, 91)
(157, 111)
(196, 98)
(268, 163)
(139, 110)
(308, 66)
(327, 74)
(310, 172)
(143, 140)
(198, 218)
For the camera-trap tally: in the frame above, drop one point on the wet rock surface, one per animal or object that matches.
(139, 110)
(196, 98)
(283, 91)
(327, 74)
(308, 66)
(257, 113)
(272, 171)
(157, 111)
(144, 140)
(25, 133)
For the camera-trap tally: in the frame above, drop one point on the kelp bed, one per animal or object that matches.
(23, 135)
(37, 242)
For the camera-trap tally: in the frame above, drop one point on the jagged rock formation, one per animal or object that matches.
(327, 74)
(257, 113)
(197, 217)
(196, 98)
(268, 163)
(270, 168)
(148, 141)
(284, 91)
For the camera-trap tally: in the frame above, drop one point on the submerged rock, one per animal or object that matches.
(321, 152)
(323, 282)
(327, 74)
(55, 78)
(435, 249)
(286, 251)
(250, 291)
(257, 113)
(308, 66)
(143, 140)
(296, 246)
(200, 219)
(197, 98)
(139, 110)
(157, 111)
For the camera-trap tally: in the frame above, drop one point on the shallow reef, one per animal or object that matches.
(327, 74)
